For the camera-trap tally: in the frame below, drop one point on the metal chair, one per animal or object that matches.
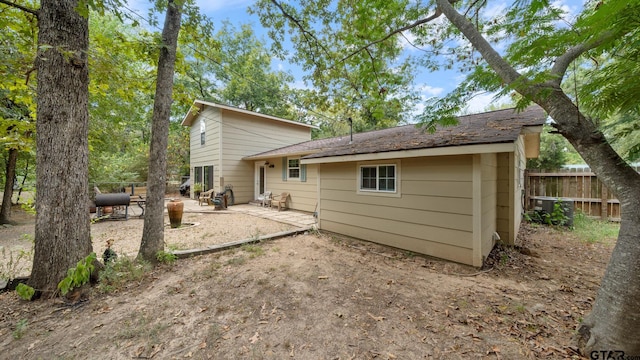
(265, 199)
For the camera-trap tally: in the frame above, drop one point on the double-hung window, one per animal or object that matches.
(293, 168)
(380, 178)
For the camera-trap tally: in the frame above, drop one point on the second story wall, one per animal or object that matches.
(244, 135)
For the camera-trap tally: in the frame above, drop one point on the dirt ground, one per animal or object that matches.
(198, 230)
(323, 296)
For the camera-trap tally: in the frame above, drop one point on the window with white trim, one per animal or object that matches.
(202, 132)
(293, 168)
(381, 178)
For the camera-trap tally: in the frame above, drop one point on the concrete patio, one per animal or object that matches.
(291, 217)
(302, 221)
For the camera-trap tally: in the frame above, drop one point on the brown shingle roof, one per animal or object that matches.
(501, 126)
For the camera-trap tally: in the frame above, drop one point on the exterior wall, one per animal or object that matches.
(209, 153)
(431, 215)
(511, 168)
(243, 135)
(505, 197)
(518, 186)
(489, 187)
(303, 194)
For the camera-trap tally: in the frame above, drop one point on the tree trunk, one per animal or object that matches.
(24, 180)
(10, 177)
(614, 323)
(62, 229)
(153, 232)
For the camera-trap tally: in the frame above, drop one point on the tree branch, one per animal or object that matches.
(306, 33)
(373, 66)
(20, 7)
(404, 28)
(506, 72)
(563, 61)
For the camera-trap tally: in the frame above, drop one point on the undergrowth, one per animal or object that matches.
(118, 274)
(594, 230)
(16, 262)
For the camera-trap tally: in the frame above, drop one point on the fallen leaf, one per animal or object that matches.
(323, 277)
(254, 338)
(203, 345)
(156, 349)
(139, 351)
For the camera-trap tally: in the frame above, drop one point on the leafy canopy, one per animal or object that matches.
(362, 48)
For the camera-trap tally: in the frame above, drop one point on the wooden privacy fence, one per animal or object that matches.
(582, 186)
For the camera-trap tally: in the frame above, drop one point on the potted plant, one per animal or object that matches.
(197, 189)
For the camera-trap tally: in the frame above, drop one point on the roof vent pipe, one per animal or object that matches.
(350, 131)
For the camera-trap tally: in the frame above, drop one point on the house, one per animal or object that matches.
(221, 136)
(450, 194)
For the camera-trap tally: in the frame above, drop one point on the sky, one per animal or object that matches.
(428, 84)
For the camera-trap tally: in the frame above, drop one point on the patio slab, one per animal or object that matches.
(291, 217)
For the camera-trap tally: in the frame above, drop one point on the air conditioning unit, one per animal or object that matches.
(545, 206)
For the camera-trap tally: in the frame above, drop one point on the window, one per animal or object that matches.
(293, 168)
(207, 178)
(202, 132)
(380, 178)
(197, 175)
(203, 175)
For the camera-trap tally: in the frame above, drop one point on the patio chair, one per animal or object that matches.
(280, 201)
(265, 199)
(205, 197)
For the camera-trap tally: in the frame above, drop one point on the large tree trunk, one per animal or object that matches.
(10, 177)
(62, 220)
(614, 323)
(153, 232)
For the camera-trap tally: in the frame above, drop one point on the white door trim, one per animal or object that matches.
(256, 182)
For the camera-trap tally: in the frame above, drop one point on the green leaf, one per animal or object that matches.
(25, 292)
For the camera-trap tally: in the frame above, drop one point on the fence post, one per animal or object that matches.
(604, 212)
(527, 190)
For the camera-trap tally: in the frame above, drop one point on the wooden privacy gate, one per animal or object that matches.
(589, 195)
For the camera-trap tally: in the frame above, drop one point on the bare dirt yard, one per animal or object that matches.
(319, 296)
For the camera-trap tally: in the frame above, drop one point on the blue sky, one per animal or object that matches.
(428, 84)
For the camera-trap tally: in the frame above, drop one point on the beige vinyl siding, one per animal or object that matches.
(489, 164)
(505, 196)
(432, 215)
(244, 135)
(303, 194)
(209, 153)
(202, 155)
(518, 186)
(511, 168)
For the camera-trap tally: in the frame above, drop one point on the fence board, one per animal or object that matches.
(589, 195)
